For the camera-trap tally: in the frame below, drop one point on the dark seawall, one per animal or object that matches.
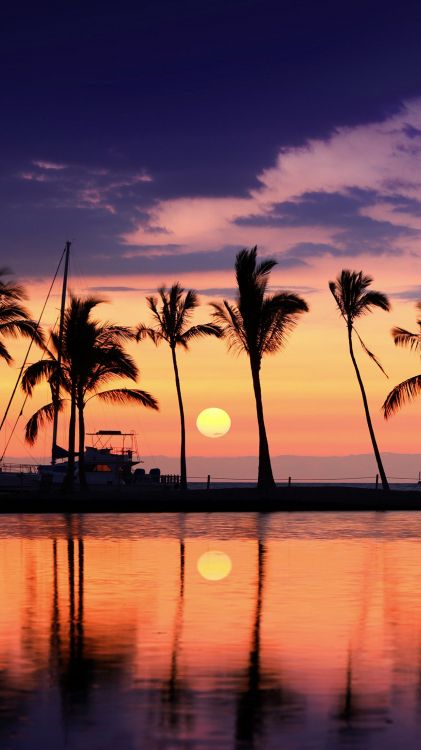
(159, 500)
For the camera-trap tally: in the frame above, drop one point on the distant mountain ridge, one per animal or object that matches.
(359, 467)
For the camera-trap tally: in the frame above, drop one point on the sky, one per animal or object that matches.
(162, 137)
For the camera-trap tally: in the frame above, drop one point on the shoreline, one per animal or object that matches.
(156, 499)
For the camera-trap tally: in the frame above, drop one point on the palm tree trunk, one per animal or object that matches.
(68, 483)
(265, 476)
(385, 483)
(183, 466)
(82, 472)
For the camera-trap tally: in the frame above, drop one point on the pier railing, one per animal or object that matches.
(290, 481)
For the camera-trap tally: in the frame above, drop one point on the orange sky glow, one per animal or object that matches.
(312, 403)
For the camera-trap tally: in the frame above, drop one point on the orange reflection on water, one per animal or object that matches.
(320, 621)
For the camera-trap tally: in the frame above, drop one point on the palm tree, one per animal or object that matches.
(354, 300)
(258, 324)
(172, 315)
(408, 389)
(92, 356)
(15, 319)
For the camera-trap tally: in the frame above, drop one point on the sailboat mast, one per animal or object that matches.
(59, 352)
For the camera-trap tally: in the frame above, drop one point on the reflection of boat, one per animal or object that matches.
(108, 462)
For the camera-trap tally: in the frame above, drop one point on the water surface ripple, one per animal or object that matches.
(199, 631)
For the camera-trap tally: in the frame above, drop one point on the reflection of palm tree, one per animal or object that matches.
(360, 711)
(258, 324)
(92, 355)
(74, 666)
(353, 301)
(348, 706)
(249, 708)
(261, 692)
(175, 694)
(172, 324)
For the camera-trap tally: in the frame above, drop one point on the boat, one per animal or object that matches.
(108, 462)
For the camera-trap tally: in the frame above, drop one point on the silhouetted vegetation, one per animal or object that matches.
(407, 390)
(172, 314)
(354, 300)
(258, 324)
(15, 320)
(92, 355)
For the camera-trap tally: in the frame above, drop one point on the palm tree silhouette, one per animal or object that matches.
(92, 355)
(408, 389)
(15, 319)
(172, 314)
(258, 324)
(353, 299)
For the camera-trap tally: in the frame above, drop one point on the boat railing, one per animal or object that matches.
(18, 468)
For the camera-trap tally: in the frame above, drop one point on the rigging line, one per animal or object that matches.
(31, 342)
(24, 404)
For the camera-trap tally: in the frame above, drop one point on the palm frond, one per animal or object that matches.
(369, 353)
(21, 327)
(198, 331)
(11, 310)
(142, 332)
(4, 353)
(372, 299)
(333, 286)
(8, 290)
(279, 316)
(35, 373)
(128, 395)
(401, 394)
(172, 312)
(351, 297)
(401, 337)
(228, 319)
(39, 419)
(152, 303)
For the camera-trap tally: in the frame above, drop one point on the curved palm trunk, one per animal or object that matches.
(68, 483)
(385, 483)
(265, 476)
(82, 473)
(183, 466)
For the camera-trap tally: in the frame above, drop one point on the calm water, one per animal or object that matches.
(114, 632)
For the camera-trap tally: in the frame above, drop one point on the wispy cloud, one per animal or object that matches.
(110, 289)
(410, 293)
(83, 187)
(357, 192)
(352, 194)
(48, 165)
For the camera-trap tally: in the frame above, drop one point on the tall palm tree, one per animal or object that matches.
(258, 324)
(354, 300)
(172, 314)
(408, 389)
(15, 319)
(92, 355)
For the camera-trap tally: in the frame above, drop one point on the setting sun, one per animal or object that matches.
(213, 422)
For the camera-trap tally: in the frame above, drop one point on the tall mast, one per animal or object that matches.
(56, 388)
